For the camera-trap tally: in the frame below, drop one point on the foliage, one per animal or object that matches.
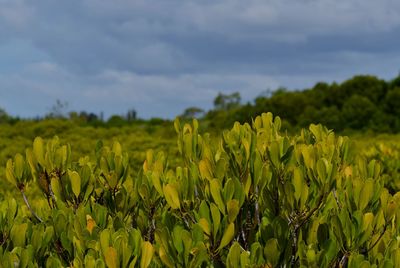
(363, 102)
(253, 197)
(192, 112)
(227, 101)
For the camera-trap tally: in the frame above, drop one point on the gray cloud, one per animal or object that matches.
(162, 56)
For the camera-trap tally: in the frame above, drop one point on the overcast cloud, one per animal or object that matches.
(160, 57)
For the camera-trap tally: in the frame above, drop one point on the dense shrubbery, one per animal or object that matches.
(254, 197)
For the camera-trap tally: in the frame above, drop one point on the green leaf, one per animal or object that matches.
(321, 169)
(38, 150)
(274, 154)
(215, 190)
(75, 182)
(105, 240)
(204, 211)
(18, 234)
(19, 166)
(233, 209)
(165, 258)
(216, 218)
(366, 194)
(155, 178)
(56, 187)
(117, 149)
(172, 196)
(177, 125)
(286, 157)
(10, 173)
(205, 226)
(205, 169)
(147, 254)
(233, 258)
(228, 236)
(177, 238)
(111, 258)
(298, 183)
(271, 251)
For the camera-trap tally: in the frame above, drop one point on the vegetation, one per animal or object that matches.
(256, 192)
(361, 103)
(252, 197)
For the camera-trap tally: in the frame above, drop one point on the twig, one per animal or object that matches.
(52, 195)
(377, 240)
(336, 198)
(29, 206)
(257, 208)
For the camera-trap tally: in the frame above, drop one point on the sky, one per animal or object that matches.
(160, 57)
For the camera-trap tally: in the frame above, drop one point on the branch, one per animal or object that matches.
(377, 240)
(336, 198)
(312, 211)
(29, 206)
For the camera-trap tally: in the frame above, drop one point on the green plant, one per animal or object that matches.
(253, 197)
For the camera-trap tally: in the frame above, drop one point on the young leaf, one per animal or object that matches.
(171, 196)
(233, 209)
(228, 236)
(147, 254)
(10, 172)
(38, 150)
(215, 190)
(111, 258)
(75, 183)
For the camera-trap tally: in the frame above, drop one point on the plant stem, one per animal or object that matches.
(29, 206)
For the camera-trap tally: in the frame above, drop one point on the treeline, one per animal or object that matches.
(83, 118)
(361, 103)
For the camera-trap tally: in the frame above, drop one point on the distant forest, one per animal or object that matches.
(362, 103)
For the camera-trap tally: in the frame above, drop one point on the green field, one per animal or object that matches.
(171, 195)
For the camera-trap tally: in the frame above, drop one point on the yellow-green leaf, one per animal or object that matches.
(75, 182)
(205, 169)
(104, 240)
(171, 196)
(111, 258)
(216, 218)
(56, 187)
(147, 254)
(215, 190)
(228, 236)
(271, 251)
(164, 258)
(366, 194)
(19, 166)
(205, 226)
(38, 150)
(297, 183)
(10, 172)
(18, 234)
(155, 178)
(233, 209)
(90, 223)
(117, 148)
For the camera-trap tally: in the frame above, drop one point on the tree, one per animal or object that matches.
(392, 102)
(58, 110)
(227, 101)
(131, 115)
(365, 85)
(357, 112)
(192, 112)
(3, 116)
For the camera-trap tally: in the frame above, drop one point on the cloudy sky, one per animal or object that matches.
(160, 57)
